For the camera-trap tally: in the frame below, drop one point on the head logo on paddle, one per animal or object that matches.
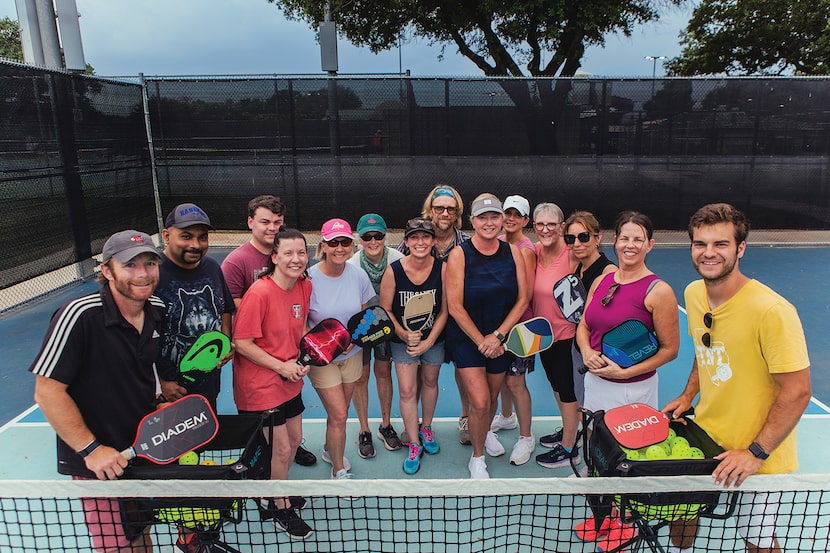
(570, 296)
(204, 355)
(370, 327)
(529, 337)
(168, 433)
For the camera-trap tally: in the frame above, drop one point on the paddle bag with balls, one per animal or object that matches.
(239, 451)
(693, 456)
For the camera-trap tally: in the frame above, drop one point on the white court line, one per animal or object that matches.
(13, 422)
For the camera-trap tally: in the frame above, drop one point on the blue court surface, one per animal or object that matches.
(27, 442)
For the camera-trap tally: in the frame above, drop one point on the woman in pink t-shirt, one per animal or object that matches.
(267, 331)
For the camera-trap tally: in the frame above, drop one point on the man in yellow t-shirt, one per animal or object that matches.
(751, 370)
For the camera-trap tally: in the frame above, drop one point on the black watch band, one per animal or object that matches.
(87, 451)
(758, 451)
(502, 338)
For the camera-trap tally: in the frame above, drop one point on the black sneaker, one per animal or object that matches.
(389, 438)
(290, 522)
(365, 447)
(557, 457)
(551, 440)
(267, 507)
(304, 457)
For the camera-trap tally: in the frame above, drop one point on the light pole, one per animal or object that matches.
(653, 70)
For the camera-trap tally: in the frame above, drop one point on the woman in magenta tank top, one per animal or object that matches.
(630, 292)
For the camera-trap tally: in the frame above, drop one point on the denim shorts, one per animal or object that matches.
(432, 356)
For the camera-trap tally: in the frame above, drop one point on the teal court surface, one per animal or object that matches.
(27, 444)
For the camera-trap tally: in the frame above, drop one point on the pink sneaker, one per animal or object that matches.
(588, 531)
(618, 535)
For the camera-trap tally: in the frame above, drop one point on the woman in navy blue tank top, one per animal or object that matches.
(487, 293)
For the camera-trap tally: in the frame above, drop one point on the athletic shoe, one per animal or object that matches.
(389, 438)
(413, 461)
(478, 467)
(327, 458)
(558, 457)
(588, 531)
(504, 423)
(190, 542)
(365, 447)
(618, 535)
(492, 445)
(304, 457)
(464, 431)
(523, 449)
(290, 522)
(550, 440)
(427, 437)
(268, 508)
(342, 474)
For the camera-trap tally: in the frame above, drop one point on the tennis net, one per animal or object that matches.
(415, 515)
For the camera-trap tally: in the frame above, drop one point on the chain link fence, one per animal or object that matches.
(76, 156)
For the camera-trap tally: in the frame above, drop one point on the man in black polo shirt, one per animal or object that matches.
(95, 379)
(198, 300)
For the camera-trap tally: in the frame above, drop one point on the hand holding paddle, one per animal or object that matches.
(627, 344)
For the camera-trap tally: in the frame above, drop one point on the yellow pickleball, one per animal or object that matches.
(189, 458)
(208, 463)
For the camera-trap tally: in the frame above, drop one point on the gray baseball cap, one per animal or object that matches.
(125, 245)
(187, 215)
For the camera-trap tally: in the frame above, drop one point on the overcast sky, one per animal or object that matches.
(213, 37)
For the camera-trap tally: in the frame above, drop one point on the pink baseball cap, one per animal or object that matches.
(335, 228)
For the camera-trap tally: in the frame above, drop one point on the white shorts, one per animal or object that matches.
(756, 517)
(601, 394)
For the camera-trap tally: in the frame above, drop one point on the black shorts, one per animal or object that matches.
(382, 353)
(288, 410)
(559, 368)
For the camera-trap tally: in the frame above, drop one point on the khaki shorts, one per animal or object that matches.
(338, 372)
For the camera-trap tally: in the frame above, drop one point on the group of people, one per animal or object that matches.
(96, 378)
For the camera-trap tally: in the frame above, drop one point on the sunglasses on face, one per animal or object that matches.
(708, 319)
(583, 237)
(345, 242)
(610, 295)
(443, 208)
(376, 236)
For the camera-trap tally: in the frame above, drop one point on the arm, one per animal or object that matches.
(289, 370)
(793, 397)
(64, 416)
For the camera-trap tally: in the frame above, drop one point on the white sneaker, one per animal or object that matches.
(504, 423)
(493, 445)
(523, 449)
(327, 458)
(478, 468)
(341, 474)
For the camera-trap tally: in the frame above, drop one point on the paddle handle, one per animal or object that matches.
(129, 453)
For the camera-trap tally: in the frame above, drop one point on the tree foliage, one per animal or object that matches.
(10, 47)
(501, 37)
(767, 37)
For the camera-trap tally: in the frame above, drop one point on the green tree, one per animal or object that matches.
(501, 37)
(755, 37)
(10, 39)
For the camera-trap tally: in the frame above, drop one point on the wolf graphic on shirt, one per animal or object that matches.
(193, 313)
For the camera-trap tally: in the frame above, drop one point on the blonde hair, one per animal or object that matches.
(426, 211)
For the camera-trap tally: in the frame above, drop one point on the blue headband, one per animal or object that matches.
(443, 192)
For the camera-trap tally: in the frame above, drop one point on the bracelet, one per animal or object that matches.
(501, 337)
(90, 447)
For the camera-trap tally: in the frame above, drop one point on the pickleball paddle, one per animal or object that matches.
(529, 337)
(320, 345)
(628, 343)
(637, 425)
(204, 356)
(418, 311)
(370, 327)
(168, 433)
(570, 295)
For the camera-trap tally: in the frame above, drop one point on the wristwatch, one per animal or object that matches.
(502, 338)
(758, 451)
